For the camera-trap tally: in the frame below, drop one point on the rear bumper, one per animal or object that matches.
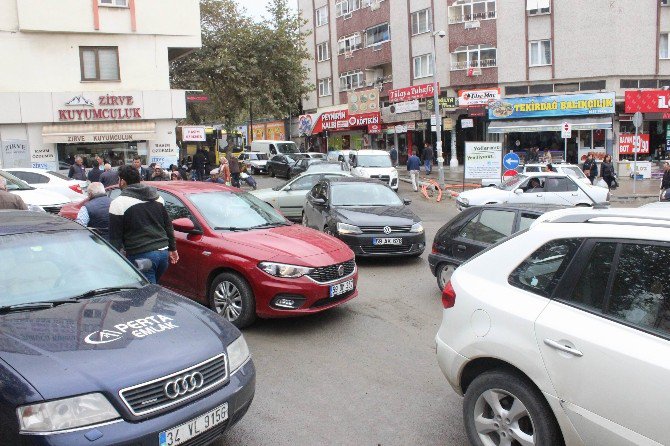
(451, 363)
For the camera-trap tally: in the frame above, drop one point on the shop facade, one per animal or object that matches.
(654, 135)
(46, 130)
(338, 130)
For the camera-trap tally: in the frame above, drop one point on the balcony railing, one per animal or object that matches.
(464, 65)
(460, 18)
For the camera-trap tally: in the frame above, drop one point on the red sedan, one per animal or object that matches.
(243, 259)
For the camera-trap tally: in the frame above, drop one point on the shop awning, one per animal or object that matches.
(99, 132)
(551, 125)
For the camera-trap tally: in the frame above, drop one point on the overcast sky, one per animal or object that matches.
(256, 8)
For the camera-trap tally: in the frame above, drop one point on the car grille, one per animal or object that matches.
(52, 209)
(384, 178)
(380, 229)
(329, 273)
(151, 396)
(332, 300)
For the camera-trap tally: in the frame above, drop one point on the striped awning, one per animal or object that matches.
(551, 125)
(99, 132)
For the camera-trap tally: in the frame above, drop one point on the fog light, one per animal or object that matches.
(421, 245)
(288, 301)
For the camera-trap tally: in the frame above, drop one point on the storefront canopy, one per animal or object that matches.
(551, 125)
(99, 132)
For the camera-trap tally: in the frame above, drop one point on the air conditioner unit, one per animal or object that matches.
(472, 24)
(346, 16)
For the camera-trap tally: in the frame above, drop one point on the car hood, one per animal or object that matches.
(485, 195)
(110, 342)
(375, 215)
(293, 244)
(368, 171)
(41, 197)
(266, 194)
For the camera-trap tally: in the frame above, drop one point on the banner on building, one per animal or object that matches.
(404, 107)
(275, 131)
(627, 143)
(43, 157)
(15, 153)
(448, 102)
(484, 96)
(193, 133)
(411, 93)
(363, 101)
(553, 106)
(305, 125)
(483, 160)
(647, 101)
(341, 120)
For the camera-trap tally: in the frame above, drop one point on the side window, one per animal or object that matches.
(272, 149)
(526, 220)
(490, 226)
(534, 185)
(592, 285)
(560, 185)
(541, 272)
(316, 190)
(641, 289)
(305, 183)
(533, 169)
(174, 206)
(31, 177)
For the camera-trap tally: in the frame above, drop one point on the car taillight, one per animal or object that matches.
(77, 188)
(434, 249)
(448, 296)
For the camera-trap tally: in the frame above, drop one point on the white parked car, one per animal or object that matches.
(35, 199)
(567, 169)
(289, 198)
(375, 164)
(315, 155)
(51, 180)
(536, 188)
(561, 334)
(255, 162)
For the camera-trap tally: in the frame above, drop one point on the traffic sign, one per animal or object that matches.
(510, 173)
(637, 119)
(566, 130)
(511, 161)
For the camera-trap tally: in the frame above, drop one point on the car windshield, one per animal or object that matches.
(325, 167)
(363, 194)
(258, 156)
(58, 175)
(43, 266)
(14, 183)
(513, 183)
(573, 171)
(373, 161)
(286, 147)
(235, 211)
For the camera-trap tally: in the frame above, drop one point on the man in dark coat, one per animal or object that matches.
(95, 213)
(77, 170)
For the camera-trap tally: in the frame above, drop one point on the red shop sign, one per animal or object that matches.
(647, 101)
(411, 93)
(374, 128)
(341, 120)
(627, 143)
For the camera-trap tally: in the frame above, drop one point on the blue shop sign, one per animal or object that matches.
(553, 106)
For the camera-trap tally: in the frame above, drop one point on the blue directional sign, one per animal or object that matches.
(511, 161)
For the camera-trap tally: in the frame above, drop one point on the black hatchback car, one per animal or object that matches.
(280, 165)
(474, 230)
(365, 214)
(92, 353)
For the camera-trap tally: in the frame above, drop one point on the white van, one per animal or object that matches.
(274, 147)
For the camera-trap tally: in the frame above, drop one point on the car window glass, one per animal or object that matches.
(533, 185)
(31, 177)
(526, 220)
(533, 169)
(277, 158)
(573, 171)
(305, 183)
(174, 206)
(316, 190)
(58, 175)
(489, 226)
(542, 270)
(641, 289)
(592, 285)
(560, 185)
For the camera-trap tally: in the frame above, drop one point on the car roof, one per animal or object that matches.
(22, 222)
(350, 179)
(618, 216)
(528, 207)
(553, 165)
(371, 152)
(26, 169)
(544, 174)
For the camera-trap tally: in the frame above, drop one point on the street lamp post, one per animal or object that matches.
(438, 118)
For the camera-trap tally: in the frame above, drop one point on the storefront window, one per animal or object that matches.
(117, 154)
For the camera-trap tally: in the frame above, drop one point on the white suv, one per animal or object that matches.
(567, 169)
(561, 334)
(374, 164)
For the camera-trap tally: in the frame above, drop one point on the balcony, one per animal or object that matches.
(465, 64)
(462, 18)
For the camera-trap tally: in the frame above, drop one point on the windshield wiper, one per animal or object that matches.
(270, 225)
(28, 306)
(230, 228)
(104, 290)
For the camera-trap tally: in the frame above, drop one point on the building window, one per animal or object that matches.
(377, 35)
(665, 2)
(322, 16)
(421, 22)
(537, 7)
(351, 80)
(473, 56)
(540, 53)
(116, 3)
(349, 43)
(99, 63)
(468, 10)
(325, 87)
(423, 66)
(322, 52)
(664, 47)
(343, 7)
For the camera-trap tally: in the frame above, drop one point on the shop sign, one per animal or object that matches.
(553, 106)
(477, 111)
(364, 101)
(647, 101)
(411, 126)
(193, 133)
(374, 128)
(467, 98)
(447, 123)
(627, 143)
(42, 158)
(96, 137)
(14, 153)
(467, 123)
(404, 107)
(197, 98)
(421, 126)
(413, 92)
(483, 160)
(163, 154)
(341, 120)
(305, 124)
(401, 129)
(107, 107)
(444, 103)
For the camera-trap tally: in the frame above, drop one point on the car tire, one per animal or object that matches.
(230, 296)
(533, 419)
(304, 220)
(252, 170)
(326, 230)
(443, 274)
(271, 172)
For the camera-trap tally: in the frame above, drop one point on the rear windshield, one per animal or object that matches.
(58, 175)
(286, 147)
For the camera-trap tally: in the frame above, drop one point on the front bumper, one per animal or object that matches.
(238, 393)
(361, 244)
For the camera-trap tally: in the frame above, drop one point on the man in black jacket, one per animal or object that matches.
(665, 182)
(139, 223)
(199, 161)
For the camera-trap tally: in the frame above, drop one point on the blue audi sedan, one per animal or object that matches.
(91, 353)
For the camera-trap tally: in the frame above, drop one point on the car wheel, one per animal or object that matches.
(252, 169)
(443, 274)
(304, 219)
(271, 172)
(231, 297)
(501, 408)
(326, 230)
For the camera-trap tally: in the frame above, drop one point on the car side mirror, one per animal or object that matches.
(518, 191)
(319, 201)
(287, 188)
(407, 201)
(185, 225)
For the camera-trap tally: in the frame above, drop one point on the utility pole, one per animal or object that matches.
(438, 117)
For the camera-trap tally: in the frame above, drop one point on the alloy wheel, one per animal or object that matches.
(228, 300)
(501, 419)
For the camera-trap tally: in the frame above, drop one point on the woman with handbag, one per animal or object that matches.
(590, 168)
(607, 171)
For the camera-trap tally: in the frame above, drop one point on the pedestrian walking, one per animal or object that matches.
(94, 214)
(199, 161)
(145, 174)
(607, 171)
(590, 168)
(211, 159)
(95, 172)
(9, 200)
(427, 156)
(140, 224)
(234, 164)
(109, 177)
(665, 182)
(224, 170)
(393, 153)
(413, 167)
(77, 170)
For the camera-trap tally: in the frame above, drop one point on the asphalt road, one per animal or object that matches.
(364, 373)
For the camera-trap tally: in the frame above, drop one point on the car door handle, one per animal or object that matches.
(538, 195)
(575, 195)
(461, 248)
(564, 348)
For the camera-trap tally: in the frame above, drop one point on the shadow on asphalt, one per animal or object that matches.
(388, 261)
(301, 325)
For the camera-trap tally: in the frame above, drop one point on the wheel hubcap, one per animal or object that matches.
(327, 231)
(501, 419)
(228, 300)
(445, 275)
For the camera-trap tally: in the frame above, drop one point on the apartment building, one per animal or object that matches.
(508, 70)
(92, 77)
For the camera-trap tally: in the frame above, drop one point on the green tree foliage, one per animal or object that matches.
(243, 63)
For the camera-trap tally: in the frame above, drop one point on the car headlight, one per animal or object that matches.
(417, 227)
(284, 270)
(68, 413)
(35, 208)
(465, 201)
(238, 353)
(344, 228)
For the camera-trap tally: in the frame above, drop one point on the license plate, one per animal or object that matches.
(341, 288)
(183, 433)
(387, 241)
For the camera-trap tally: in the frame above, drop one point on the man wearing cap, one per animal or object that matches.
(214, 177)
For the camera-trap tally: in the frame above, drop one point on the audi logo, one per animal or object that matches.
(387, 229)
(183, 385)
